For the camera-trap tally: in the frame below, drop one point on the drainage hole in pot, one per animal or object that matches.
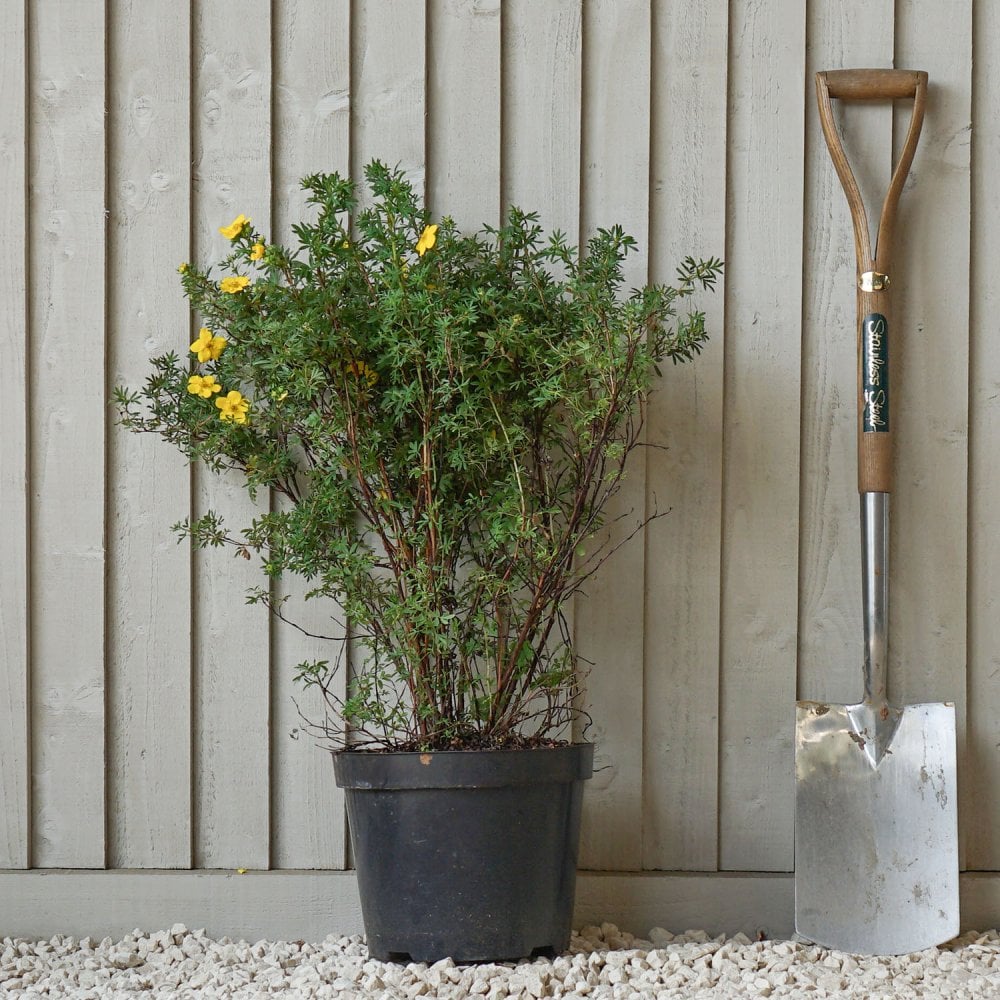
(546, 951)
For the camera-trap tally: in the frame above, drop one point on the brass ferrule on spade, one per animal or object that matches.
(873, 281)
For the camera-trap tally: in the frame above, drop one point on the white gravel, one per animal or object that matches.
(603, 964)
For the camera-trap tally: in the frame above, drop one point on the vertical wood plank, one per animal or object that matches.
(761, 479)
(684, 471)
(830, 628)
(68, 412)
(541, 74)
(541, 78)
(388, 116)
(463, 108)
(388, 100)
(929, 610)
(542, 87)
(311, 134)
(980, 805)
(232, 702)
(14, 761)
(149, 586)
(609, 615)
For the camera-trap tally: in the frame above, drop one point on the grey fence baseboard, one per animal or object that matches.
(309, 905)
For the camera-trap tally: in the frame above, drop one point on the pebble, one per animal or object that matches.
(603, 963)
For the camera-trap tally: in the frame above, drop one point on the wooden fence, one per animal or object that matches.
(146, 712)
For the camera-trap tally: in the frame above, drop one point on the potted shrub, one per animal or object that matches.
(446, 417)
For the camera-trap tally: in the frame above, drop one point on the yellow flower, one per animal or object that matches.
(361, 370)
(203, 385)
(235, 227)
(233, 407)
(232, 285)
(207, 347)
(182, 268)
(427, 239)
(346, 245)
(257, 251)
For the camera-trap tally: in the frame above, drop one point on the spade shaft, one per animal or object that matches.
(875, 593)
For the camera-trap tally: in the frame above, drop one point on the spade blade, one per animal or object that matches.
(876, 844)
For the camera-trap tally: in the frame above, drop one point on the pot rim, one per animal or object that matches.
(388, 769)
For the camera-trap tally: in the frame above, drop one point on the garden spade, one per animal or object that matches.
(876, 843)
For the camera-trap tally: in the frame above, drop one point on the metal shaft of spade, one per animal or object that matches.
(875, 594)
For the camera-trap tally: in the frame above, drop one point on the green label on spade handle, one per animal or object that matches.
(875, 373)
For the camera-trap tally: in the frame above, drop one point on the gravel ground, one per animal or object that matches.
(602, 964)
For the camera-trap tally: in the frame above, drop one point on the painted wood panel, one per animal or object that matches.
(930, 506)
(232, 711)
(763, 366)
(290, 906)
(311, 134)
(540, 153)
(697, 129)
(980, 804)
(14, 760)
(388, 81)
(830, 627)
(388, 110)
(684, 471)
(609, 613)
(463, 109)
(67, 415)
(541, 78)
(149, 484)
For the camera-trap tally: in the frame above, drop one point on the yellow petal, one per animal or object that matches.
(233, 407)
(427, 239)
(234, 284)
(235, 227)
(204, 339)
(257, 251)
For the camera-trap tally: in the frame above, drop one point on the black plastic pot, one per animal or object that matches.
(466, 854)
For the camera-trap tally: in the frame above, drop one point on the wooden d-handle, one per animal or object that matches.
(874, 267)
(873, 84)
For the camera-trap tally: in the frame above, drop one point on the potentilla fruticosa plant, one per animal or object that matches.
(442, 420)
